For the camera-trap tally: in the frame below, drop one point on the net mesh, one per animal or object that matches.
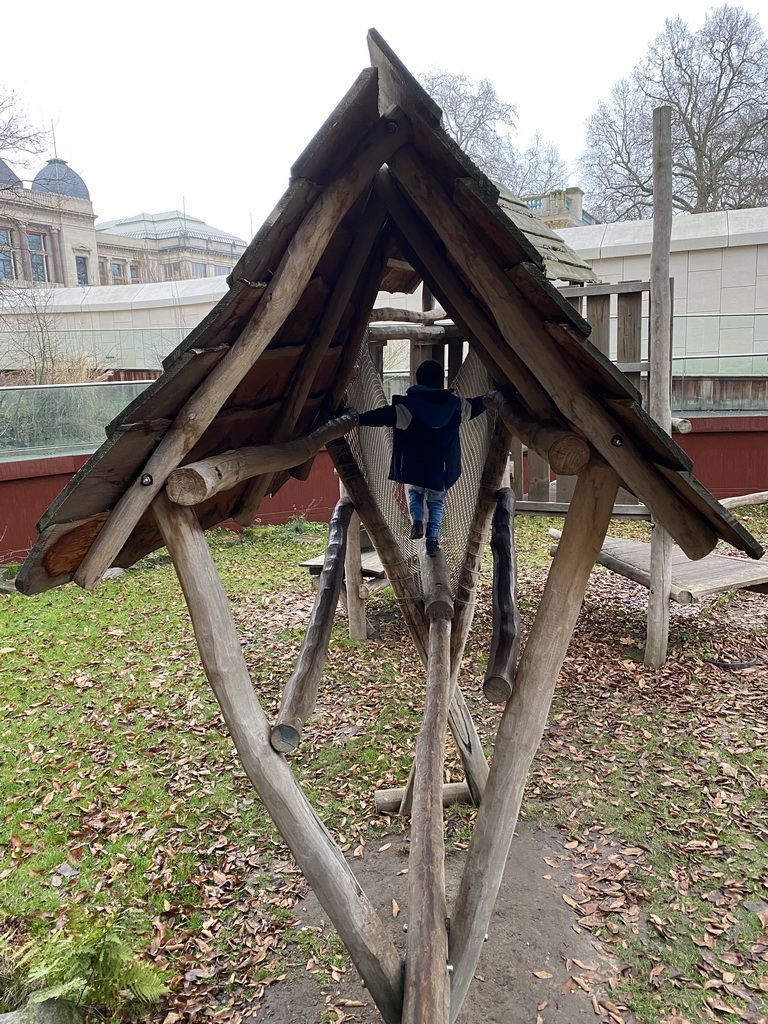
(372, 448)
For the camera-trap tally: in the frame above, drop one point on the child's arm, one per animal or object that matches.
(471, 407)
(385, 416)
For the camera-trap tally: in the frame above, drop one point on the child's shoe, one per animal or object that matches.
(433, 546)
(417, 530)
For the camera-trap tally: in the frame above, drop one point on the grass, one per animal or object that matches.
(119, 787)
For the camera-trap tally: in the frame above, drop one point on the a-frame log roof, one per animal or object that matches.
(381, 198)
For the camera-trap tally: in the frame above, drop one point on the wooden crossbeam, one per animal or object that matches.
(317, 855)
(300, 692)
(288, 283)
(197, 481)
(565, 451)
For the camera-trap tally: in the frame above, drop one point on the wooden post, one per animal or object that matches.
(318, 856)
(300, 692)
(353, 578)
(289, 281)
(436, 586)
(524, 719)
(660, 376)
(502, 661)
(426, 997)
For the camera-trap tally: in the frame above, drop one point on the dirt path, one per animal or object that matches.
(533, 930)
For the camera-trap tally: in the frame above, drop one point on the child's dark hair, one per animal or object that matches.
(430, 374)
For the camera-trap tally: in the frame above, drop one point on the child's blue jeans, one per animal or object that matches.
(435, 501)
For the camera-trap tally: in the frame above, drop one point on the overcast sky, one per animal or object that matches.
(164, 104)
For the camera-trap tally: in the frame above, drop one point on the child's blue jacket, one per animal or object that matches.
(425, 437)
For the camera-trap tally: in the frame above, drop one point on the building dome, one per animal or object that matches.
(7, 177)
(57, 177)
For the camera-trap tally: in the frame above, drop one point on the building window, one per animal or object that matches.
(6, 254)
(117, 272)
(81, 265)
(199, 270)
(103, 271)
(38, 256)
(134, 271)
(221, 271)
(171, 271)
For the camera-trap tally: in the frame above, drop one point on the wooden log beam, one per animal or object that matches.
(502, 661)
(740, 500)
(407, 316)
(192, 484)
(426, 997)
(353, 580)
(565, 451)
(318, 856)
(389, 801)
(524, 719)
(291, 277)
(300, 692)
(524, 335)
(436, 585)
(307, 366)
(434, 334)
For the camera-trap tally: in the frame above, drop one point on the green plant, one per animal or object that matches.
(89, 963)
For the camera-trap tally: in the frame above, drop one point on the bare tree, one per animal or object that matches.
(716, 82)
(17, 136)
(482, 124)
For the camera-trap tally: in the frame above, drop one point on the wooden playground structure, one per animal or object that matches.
(382, 199)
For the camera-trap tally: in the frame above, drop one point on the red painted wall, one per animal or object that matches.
(730, 456)
(730, 453)
(28, 486)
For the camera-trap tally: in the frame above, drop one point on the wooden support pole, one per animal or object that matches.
(565, 451)
(389, 314)
(192, 484)
(288, 283)
(318, 856)
(300, 693)
(436, 586)
(426, 996)
(502, 662)
(660, 377)
(353, 580)
(524, 719)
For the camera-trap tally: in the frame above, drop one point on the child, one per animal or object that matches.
(426, 453)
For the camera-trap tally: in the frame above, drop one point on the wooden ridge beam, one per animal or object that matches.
(191, 484)
(290, 279)
(300, 692)
(318, 856)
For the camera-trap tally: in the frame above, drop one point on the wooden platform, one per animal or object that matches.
(371, 565)
(691, 580)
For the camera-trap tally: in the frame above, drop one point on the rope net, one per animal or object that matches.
(372, 448)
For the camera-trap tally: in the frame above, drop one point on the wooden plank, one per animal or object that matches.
(397, 86)
(499, 680)
(538, 477)
(318, 856)
(604, 289)
(300, 692)
(370, 565)
(559, 508)
(426, 997)
(523, 722)
(290, 279)
(599, 316)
